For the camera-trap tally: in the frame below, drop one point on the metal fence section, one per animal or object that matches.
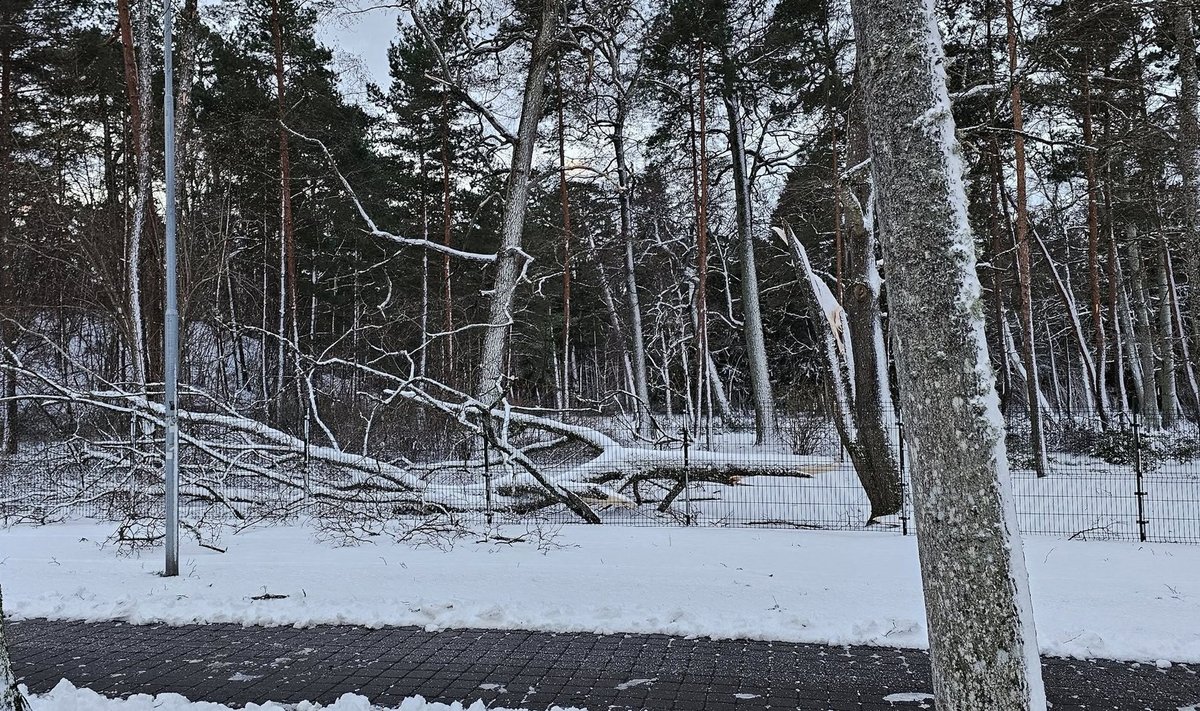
(1104, 478)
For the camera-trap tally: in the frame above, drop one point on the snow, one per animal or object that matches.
(908, 697)
(801, 586)
(66, 697)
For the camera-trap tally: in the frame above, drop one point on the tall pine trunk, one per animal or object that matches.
(1024, 292)
(981, 629)
(137, 90)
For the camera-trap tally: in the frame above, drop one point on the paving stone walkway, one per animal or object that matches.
(236, 665)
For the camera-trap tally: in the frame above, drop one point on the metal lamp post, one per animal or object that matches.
(171, 323)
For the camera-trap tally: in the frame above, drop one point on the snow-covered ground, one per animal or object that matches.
(66, 697)
(1092, 599)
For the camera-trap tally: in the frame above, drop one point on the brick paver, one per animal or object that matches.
(236, 665)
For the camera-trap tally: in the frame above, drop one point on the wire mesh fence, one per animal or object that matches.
(1110, 477)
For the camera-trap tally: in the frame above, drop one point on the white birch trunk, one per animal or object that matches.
(982, 640)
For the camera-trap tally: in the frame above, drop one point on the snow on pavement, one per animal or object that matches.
(66, 697)
(1092, 599)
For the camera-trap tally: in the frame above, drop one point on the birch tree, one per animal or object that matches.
(982, 640)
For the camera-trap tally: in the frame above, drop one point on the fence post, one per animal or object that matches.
(1140, 492)
(487, 480)
(687, 484)
(903, 479)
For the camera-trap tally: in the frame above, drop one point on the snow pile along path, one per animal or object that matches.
(66, 697)
(800, 586)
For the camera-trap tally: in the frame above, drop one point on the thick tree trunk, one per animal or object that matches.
(490, 386)
(1024, 294)
(10, 698)
(982, 641)
(877, 447)
(1143, 332)
(1189, 157)
(1127, 335)
(752, 327)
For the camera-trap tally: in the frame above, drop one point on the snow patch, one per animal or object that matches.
(909, 697)
(793, 586)
(65, 696)
(635, 682)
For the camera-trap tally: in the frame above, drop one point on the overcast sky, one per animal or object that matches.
(359, 37)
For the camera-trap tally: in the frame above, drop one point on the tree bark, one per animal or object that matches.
(137, 89)
(1143, 332)
(752, 327)
(490, 386)
(982, 640)
(288, 326)
(1189, 157)
(877, 447)
(10, 698)
(1167, 383)
(637, 336)
(1100, 385)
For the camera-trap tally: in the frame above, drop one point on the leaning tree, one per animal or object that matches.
(981, 629)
